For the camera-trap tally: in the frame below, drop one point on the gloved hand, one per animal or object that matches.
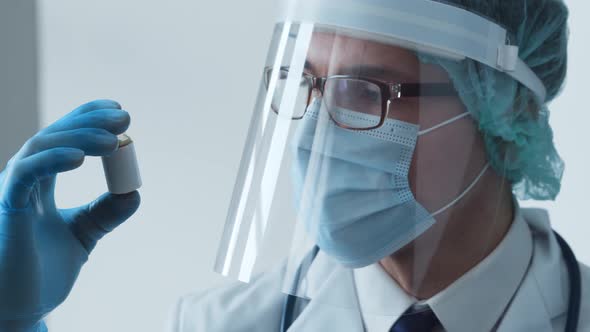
(42, 248)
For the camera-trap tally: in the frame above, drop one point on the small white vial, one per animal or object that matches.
(121, 168)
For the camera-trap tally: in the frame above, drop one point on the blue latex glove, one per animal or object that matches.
(42, 248)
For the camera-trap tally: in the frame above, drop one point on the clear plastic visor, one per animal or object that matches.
(361, 162)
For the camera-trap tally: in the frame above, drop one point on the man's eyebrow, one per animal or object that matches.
(373, 71)
(370, 71)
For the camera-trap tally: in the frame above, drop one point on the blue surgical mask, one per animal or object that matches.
(352, 187)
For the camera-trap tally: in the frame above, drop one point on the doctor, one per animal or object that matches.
(391, 141)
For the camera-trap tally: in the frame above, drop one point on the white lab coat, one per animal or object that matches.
(540, 304)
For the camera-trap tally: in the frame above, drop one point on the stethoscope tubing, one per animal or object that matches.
(575, 282)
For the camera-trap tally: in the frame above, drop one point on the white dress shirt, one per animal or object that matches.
(475, 302)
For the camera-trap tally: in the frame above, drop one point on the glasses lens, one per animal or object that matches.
(353, 103)
(285, 96)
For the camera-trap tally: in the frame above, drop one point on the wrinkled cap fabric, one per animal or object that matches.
(516, 129)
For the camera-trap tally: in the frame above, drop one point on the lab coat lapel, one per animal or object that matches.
(333, 308)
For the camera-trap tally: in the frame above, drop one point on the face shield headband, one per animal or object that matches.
(424, 25)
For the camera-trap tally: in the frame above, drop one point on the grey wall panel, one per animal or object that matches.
(19, 116)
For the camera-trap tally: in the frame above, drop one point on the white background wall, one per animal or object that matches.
(170, 64)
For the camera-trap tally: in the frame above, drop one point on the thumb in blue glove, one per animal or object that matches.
(90, 223)
(42, 248)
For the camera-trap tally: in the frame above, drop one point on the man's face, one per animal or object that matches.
(446, 160)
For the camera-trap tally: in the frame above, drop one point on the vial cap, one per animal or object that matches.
(124, 140)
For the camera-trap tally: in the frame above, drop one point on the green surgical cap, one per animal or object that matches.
(515, 127)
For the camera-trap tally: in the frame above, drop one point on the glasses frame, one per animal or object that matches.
(390, 91)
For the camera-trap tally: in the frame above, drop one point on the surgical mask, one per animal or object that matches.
(353, 187)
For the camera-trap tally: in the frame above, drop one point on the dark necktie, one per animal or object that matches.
(416, 321)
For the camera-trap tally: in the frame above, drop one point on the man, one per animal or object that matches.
(392, 140)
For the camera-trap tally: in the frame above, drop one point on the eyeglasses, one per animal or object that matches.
(352, 93)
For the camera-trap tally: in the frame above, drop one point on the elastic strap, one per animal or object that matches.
(465, 192)
(440, 125)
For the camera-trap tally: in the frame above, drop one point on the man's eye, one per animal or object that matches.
(368, 94)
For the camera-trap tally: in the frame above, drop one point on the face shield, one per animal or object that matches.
(359, 154)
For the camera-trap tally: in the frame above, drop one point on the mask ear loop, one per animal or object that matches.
(479, 176)
(440, 125)
(465, 192)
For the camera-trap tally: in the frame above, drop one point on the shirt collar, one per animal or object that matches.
(486, 289)
(380, 300)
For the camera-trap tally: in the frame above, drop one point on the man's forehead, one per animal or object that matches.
(333, 52)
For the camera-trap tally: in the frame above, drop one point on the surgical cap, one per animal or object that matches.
(515, 126)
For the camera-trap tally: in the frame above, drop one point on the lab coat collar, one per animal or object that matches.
(334, 303)
(544, 291)
(548, 267)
